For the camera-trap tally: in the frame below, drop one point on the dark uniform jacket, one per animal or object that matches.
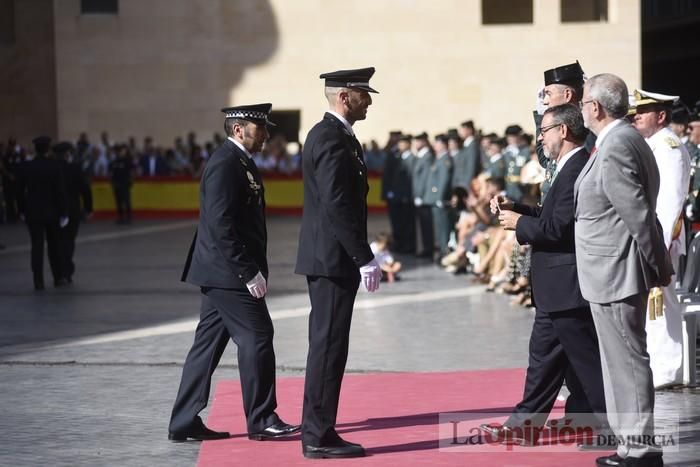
(230, 246)
(333, 237)
(550, 231)
(41, 190)
(397, 180)
(77, 189)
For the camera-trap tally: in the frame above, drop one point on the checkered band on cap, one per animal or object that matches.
(246, 114)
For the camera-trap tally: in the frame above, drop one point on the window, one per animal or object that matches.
(99, 7)
(584, 10)
(7, 22)
(506, 11)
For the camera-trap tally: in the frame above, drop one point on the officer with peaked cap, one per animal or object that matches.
(664, 324)
(79, 198)
(42, 203)
(334, 254)
(562, 84)
(228, 261)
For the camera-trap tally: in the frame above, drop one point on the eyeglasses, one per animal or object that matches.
(545, 129)
(582, 103)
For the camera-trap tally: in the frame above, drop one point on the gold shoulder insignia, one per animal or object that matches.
(673, 144)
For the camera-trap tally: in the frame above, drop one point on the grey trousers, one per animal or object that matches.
(627, 378)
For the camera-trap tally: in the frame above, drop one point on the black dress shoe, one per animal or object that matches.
(199, 433)
(338, 449)
(507, 435)
(61, 282)
(274, 431)
(612, 461)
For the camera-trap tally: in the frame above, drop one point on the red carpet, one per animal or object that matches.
(395, 417)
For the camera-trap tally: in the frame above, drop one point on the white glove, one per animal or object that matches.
(63, 221)
(371, 274)
(439, 203)
(390, 195)
(257, 286)
(418, 202)
(540, 106)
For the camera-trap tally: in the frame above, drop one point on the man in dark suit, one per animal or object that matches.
(79, 198)
(151, 163)
(227, 260)
(563, 334)
(333, 253)
(43, 206)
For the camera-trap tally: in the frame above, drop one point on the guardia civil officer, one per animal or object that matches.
(227, 260)
(333, 253)
(79, 199)
(42, 204)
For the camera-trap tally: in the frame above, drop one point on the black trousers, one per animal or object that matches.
(558, 341)
(122, 199)
(441, 221)
(425, 222)
(332, 301)
(403, 226)
(68, 235)
(230, 314)
(38, 232)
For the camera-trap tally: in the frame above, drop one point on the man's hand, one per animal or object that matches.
(63, 221)
(371, 274)
(500, 203)
(418, 201)
(508, 219)
(257, 286)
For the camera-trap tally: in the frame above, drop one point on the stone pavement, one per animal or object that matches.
(89, 372)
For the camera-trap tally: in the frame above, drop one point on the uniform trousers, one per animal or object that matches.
(561, 340)
(332, 301)
(229, 314)
(38, 231)
(403, 226)
(122, 198)
(425, 222)
(629, 387)
(68, 235)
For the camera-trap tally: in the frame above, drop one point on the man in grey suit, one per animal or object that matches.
(620, 255)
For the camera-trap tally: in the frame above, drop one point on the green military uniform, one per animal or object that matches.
(694, 195)
(514, 162)
(421, 172)
(437, 197)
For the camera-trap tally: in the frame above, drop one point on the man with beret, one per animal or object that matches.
(398, 192)
(439, 191)
(664, 325)
(42, 204)
(227, 260)
(562, 85)
(79, 198)
(334, 254)
(424, 214)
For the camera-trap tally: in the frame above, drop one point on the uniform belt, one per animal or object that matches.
(513, 179)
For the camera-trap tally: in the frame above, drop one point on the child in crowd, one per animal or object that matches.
(380, 248)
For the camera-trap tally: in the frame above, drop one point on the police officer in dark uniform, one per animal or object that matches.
(227, 260)
(333, 253)
(79, 197)
(398, 193)
(43, 205)
(12, 160)
(439, 191)
(121, 170)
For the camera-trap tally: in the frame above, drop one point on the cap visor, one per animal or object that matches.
(366, 88)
